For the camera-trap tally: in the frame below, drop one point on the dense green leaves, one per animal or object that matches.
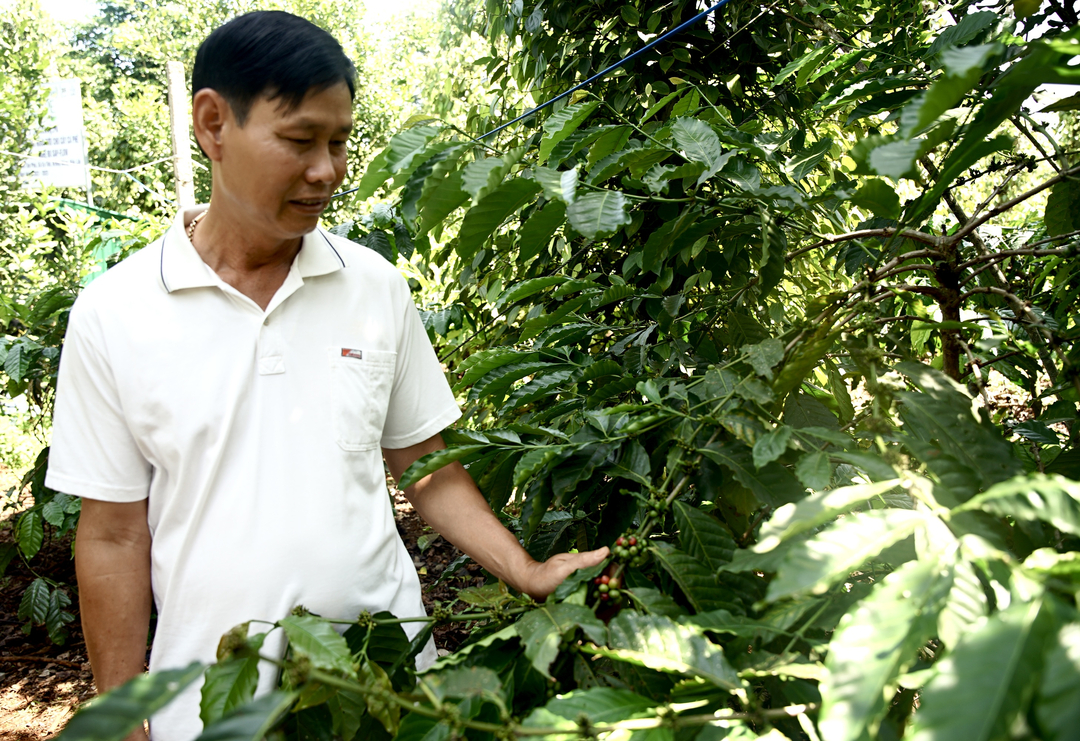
(1057, 709)
(772, 484)
(738, 306)
(874, 643)
(815, 564)
(703, 537)
(998, 660)
(946, 417)
(696, 579)
(543, 629)
(483, 218)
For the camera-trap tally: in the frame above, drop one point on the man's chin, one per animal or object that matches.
(298, 224)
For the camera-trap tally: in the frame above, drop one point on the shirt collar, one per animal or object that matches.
(180, 266)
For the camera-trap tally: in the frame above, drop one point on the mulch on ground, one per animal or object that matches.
(40, 683)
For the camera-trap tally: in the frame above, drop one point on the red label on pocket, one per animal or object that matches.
(348, 352)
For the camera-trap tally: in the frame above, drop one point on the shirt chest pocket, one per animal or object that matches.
(360, 384)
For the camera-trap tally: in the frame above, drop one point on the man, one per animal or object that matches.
(224, 393)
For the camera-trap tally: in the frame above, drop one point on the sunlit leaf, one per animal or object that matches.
(815, 564)
(1058, 704)
(562, 124)
(799, 517)
(598, 214)
(558, 186)
(601, 705)
(660, 643)
(434, 461)
(999, 661)
(876, 641)
(1053, 499)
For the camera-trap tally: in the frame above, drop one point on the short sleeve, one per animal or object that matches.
(421, 402)
(93, 453)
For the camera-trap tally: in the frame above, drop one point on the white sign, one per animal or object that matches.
(60, 155)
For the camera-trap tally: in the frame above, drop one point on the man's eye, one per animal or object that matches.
(339, 143)
(300, 141)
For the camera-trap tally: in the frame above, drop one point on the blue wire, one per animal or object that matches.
(604, 72)
(591, 80)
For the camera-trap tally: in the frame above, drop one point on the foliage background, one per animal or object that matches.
(734, 311)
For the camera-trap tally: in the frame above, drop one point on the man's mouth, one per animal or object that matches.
(310, 201)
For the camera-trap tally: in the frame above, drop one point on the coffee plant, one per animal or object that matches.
(65, 250)
(733, 312)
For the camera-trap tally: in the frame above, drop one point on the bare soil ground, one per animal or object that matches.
(41, 684)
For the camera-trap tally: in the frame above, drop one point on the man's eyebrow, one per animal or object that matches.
(310, 123)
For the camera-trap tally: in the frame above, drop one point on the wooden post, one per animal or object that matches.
(180, 125)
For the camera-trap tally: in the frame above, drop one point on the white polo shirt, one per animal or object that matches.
(255, 434)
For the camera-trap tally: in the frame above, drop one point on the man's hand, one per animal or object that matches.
(449, 501)
(541, 578)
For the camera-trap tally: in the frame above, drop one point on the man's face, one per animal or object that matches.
(279, 169)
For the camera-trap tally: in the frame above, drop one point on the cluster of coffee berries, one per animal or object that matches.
(629, 550)
(626, 547)
(608, 587)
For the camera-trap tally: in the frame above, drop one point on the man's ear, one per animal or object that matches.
(210, 114)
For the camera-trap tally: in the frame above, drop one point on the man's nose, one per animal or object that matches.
(321, 167)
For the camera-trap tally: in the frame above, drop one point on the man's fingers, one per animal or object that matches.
(574, 561)
(552, 572)
(581, 560)
(591, 558)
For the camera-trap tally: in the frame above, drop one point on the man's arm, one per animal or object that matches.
(449, 501)
(112, 564)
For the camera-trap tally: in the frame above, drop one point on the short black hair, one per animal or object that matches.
(271, 53)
